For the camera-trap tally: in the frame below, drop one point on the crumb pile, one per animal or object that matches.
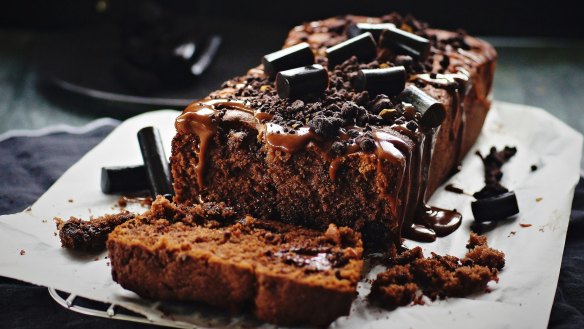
(412, 275)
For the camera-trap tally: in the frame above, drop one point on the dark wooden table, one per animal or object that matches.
(547, 73)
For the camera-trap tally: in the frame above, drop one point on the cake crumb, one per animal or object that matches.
(414, 276)
(525, 225)
(89, 235)
(454, 189)
(142, 200)
(44, 220)
(22, 252)
(533, 167)
(122, 202)
(511, 233)
(538, 199)
(70, 200)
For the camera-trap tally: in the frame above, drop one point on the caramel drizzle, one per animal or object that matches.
(201, 119)
(290, 143)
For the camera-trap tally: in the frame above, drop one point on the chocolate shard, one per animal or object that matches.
(405, 43)
(375, 29)
(302, 81)
(495, 208)
(389, 81)
(123, 179)
(287, 58)
(155, 161)
(362, 46)
(433, 111)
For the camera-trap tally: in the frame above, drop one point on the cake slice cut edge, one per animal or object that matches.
(285, 274)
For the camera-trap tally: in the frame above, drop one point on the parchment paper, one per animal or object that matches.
(31, 251)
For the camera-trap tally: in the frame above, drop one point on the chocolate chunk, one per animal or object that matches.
(302, 81)
(495, 208)
(389, 81)
(326, 126)
(412, 126)
(123, 179)
(362, 46)
(288, 58)
(375, 29)
(405, 43)
(432, 111)
(379, 103)
(155, 161)
(367, 144)
(493, 163)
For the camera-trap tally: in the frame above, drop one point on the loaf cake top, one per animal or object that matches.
(341, 119)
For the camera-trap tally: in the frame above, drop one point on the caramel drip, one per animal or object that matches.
(432, 222)
(394, 149)
(263, 116)
(200, 118)
(287, 142)
(334, 167)
(420, 222)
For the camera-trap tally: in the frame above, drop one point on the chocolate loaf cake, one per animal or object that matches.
(285, 274)
(340, 147)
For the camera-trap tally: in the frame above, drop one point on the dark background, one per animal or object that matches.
(541, 63)
(559, 18)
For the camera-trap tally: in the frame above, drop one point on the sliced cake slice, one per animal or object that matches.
(285, 274)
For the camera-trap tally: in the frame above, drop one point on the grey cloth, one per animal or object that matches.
(29, 165)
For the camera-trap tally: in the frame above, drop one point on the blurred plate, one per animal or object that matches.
(81, 62)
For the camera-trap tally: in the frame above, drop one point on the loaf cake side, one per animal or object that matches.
(280, 272)
(335, 158)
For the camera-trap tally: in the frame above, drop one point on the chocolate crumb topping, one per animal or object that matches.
(341, 105)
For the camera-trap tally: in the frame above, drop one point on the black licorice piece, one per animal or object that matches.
(302, 81)
(433, 111)
(155, 161)
(362, 46)
(405, 43)
(495, 208)
(287, 58)
(375, 29)
(389, 81)
(116, 180)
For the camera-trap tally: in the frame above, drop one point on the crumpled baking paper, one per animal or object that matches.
(31, 251)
